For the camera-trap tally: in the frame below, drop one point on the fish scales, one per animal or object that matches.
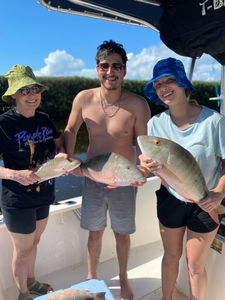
(183, 164)
(179, 169)
(56, 167)
(112, 169)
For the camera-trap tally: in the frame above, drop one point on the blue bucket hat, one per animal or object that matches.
(167, 67)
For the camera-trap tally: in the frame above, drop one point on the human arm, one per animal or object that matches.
(74, 122)
(70, 133)
(24, 177)
(216, 195)
(143, 115)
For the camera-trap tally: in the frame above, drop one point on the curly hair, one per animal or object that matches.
(110, 47)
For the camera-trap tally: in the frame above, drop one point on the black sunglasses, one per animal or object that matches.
(35, 89)
(113, 66)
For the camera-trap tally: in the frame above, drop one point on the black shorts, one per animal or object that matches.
(174, 213)
(23, 220)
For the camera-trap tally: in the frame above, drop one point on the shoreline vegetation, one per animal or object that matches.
(57, 100)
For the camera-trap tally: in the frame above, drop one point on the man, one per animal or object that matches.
(114, 118)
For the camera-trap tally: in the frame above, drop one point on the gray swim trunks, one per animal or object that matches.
(120, 202)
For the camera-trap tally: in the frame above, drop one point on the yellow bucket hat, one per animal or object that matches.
(18, 77)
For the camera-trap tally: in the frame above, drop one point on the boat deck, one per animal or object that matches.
(144, 274)
(61, 257)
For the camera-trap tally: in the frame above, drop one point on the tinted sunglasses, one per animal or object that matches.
(114, 66)
(35, 89)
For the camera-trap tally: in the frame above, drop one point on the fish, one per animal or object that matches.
(71, 294)
(56, 167)
(112, 169)
(180, 169)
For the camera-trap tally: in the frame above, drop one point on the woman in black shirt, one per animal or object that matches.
(28, 139)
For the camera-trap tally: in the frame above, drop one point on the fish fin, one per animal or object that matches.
(221, 209)
(170, 175)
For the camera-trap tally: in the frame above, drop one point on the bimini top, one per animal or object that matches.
(135, 12)
(189, 28)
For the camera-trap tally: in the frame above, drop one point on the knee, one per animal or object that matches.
(36, 241)
(22, 255)
(172, 257)
(122, 237)
(194, 268)
(95, 235)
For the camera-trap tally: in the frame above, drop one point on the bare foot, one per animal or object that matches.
(126, 290)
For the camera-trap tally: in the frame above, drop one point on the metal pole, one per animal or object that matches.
(191, 70)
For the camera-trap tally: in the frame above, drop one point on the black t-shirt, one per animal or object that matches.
(25, 143)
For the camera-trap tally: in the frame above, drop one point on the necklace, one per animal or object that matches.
(108, 108)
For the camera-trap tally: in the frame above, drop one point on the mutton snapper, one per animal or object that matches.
(56, 167)
(112, 169)
(179, 169)
(77, 295)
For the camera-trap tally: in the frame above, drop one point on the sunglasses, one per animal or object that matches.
(35, 89)
(114, 66)
(158, 85)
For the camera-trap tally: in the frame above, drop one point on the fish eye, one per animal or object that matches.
(157, 142)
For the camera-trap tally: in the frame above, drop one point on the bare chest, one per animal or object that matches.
(115, 121)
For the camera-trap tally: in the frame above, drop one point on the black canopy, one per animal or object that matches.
(189, 28)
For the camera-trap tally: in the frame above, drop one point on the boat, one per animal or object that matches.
(61, 258)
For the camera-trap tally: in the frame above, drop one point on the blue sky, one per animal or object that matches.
(59, 44)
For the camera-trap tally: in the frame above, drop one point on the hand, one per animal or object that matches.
(149, 164)
(138, 183)
(212, 201)
(77, 172)
(62, 154)
(24, 177)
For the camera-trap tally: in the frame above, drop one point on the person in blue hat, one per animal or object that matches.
(200, 130)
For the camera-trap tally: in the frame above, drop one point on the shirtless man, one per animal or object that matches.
(114, 118)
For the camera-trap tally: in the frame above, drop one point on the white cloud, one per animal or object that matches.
(60, 63)
(140, 65)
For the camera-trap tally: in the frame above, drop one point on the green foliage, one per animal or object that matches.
(57, 100)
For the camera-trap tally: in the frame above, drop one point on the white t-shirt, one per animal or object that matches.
(205, 139)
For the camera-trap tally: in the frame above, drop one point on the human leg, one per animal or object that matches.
(94, 249)
(198, 245)
(122, 202)
(122, 249)
(171, 213)
(40, 227)
(22, 248)
(172, 239)
(200, 234)
(25, 228)
(93, 218)
(34, 286)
